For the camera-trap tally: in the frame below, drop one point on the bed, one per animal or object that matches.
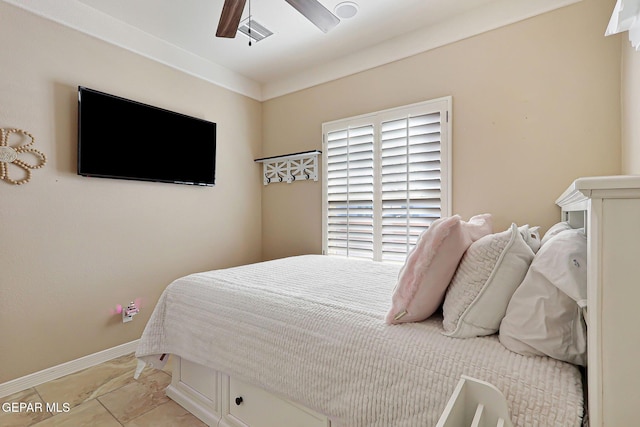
(304, 338)
(311, 329)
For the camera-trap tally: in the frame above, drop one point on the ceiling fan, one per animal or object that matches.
(313, 10)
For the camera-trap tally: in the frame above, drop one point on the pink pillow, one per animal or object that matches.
(423, 280)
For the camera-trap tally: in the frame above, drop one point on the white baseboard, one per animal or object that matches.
(37, 378)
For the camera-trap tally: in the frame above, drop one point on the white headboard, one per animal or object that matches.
(609, 209)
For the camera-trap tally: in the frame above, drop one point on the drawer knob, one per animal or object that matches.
(238, 400)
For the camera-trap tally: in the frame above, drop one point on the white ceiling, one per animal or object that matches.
(298, 55)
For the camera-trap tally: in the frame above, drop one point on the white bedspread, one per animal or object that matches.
(311, 329)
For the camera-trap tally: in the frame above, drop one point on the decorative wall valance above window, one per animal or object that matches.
(626, 17)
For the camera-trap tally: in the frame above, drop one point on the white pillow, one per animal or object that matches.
(544, 316)
(488, 274)
(555, 229)
(531, 236)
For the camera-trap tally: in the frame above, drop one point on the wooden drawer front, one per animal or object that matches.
(200, 378)
(259, 408)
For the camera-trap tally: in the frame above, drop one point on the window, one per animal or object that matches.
(386, 179)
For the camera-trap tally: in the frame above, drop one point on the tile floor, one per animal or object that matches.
(105, 395)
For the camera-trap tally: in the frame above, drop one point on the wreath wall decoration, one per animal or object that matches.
(10, 155)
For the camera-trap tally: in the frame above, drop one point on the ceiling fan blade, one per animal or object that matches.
(230, 18)
(315, 12)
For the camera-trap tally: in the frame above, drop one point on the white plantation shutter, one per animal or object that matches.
(349, 178)
(410, 173)
(386, 179)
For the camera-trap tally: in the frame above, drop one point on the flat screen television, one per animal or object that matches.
(125, 139)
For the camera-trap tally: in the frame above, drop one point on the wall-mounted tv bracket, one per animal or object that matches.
(290, 167)
(10, 154)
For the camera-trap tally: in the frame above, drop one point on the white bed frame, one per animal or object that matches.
(219, 400)
(609, 209)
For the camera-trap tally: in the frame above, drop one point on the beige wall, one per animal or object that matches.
(630, 107)
(535, 105)
(73, 248)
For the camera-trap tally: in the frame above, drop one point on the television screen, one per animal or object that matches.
(120, 138)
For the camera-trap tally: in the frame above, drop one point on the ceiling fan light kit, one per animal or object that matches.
(313, 10)
(252, 29)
